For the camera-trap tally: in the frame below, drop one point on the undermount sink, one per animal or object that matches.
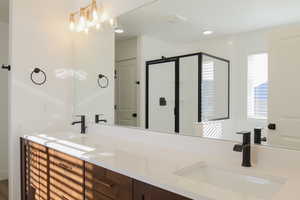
(235, 183)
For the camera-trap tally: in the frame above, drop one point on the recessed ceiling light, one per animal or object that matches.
(207, 32)
(119, 30)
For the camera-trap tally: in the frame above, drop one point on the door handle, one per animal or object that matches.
(134, 115)
(8, 67)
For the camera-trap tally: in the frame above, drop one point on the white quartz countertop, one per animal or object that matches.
(154, 164)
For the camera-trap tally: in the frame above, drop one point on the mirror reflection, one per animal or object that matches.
(199, 68)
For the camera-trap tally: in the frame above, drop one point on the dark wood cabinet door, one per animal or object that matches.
(100, 181)
(66, 177)
(50, 175)
(143, 191)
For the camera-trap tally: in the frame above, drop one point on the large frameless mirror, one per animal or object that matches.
(197, 68)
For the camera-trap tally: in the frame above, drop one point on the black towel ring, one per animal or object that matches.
(36, 71)
(101, 85)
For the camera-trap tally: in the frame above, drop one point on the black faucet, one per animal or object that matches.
(82, 123)
(98, 120)
(245, 148)
(257, 136)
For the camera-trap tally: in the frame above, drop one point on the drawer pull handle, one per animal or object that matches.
(62, 165)
(109, 185)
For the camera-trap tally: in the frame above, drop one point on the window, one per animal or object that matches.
(258, 86)
(208, 90)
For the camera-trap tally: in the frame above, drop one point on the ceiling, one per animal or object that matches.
(4, 11)
(179, 20)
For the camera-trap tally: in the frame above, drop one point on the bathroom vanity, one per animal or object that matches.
(116, 163)
(51, 174)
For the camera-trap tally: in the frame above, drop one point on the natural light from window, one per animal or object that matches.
(208, 90)
(258, 86)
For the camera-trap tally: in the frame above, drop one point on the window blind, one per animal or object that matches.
(208, 90)
(258, 86)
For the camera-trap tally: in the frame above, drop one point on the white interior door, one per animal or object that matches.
(126, 91)
(4, 80)
(161, 99)
(284, 95)
(3, 124)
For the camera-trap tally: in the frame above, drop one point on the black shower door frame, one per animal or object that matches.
(176, 60)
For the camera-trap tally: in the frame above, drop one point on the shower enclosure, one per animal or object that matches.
(184, 90)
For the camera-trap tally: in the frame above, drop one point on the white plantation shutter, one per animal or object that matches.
(208, 90)
(258, 86)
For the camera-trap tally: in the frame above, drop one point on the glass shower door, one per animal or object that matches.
(161, 99)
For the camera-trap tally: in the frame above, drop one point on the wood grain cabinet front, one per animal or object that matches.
(103, 182)
(66, 177)
(143, 191)
(50, 175)
(36, 173)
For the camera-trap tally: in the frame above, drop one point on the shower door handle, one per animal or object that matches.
(8, 67)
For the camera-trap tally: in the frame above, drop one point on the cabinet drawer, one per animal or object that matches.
(60, 193)
(66, 177)
(68, 159)
(109, 183)
(93, 195)
(66, 166)
(143, 191)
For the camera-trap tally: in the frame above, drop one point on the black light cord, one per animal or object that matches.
(101, 76)
(36, 71)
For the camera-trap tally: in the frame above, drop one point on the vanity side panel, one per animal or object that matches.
(24, 175)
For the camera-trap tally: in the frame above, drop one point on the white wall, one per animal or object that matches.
(284, 85)
(93, 54)
(4, 28)
(39, 37)
(126, 49)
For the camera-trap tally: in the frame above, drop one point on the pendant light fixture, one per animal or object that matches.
(87, 17)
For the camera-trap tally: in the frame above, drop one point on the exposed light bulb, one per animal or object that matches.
(82, 20)
(72, 26)
(95, 11)
(89, 21)
(72, 22)
(82, 23)
(95, 15)
(89, 17)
